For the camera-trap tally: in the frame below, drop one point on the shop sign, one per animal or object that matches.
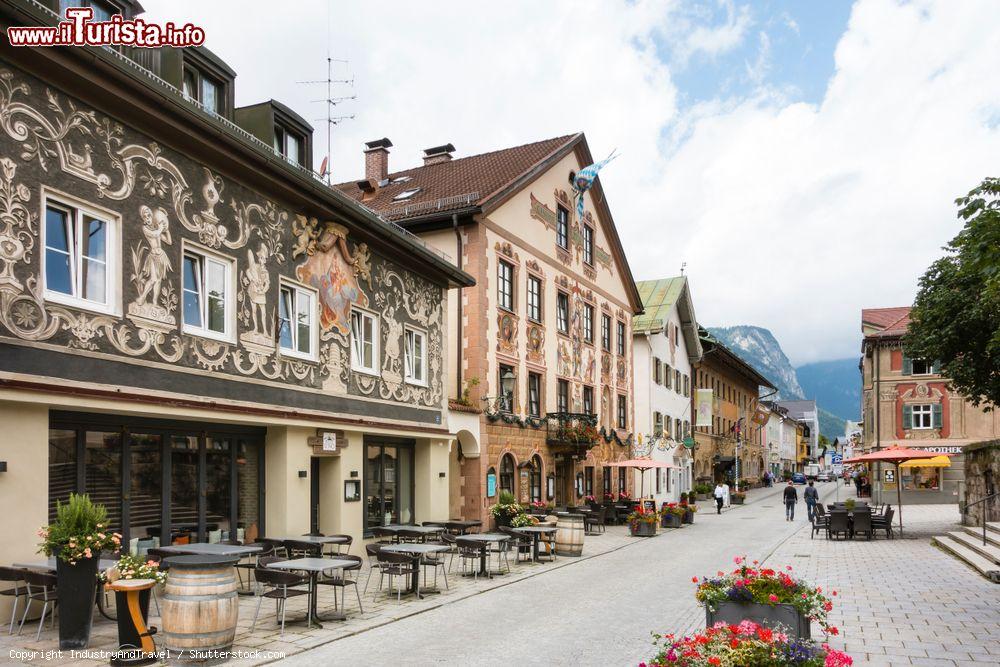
(889, 476)
(491, 484)
(329, 442)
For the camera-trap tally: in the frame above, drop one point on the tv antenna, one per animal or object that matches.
(683, 266)
(331, 103)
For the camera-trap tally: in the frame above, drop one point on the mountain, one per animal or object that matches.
(758, 347)
(836, 385)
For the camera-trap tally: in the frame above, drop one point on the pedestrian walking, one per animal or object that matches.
(720, 497)
(791, 496)
(811, 496)
(725, 488)
(858, 481)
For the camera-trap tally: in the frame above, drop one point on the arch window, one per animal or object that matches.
(507, 473)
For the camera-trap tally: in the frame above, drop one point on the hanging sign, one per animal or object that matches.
(760, 415)
(703, 408)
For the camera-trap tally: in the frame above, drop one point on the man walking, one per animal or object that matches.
(720, 497)
(791, 496)
(811, 496)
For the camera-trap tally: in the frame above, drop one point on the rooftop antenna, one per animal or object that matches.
(326, 168)
(683, 266)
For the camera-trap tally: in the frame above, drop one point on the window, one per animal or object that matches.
(588, 323)
(562, 312)
(606, 481)
(534, 299)
(505, 285)
(289, 144)
(622, 412)
(920, 367)
(588, 245)
(922, 416)
(507, 473)
(562, 396)
(506, 399)
(921, 479)
(668, 426)
(621, 339)
(534, 395)
(79, 257)
(677, 381)
(668, 376)
(687, 430)
(588, 400)
(606, 332)
(102, 10)
(364, 341)
(562, 227)
(678, 429)
(622, 480)
(207, 295)
(416, 356)
(202, 88)
(406, 194)
(297, 320)
(687, 386)
(536, 478)
(589, 481)
(657, 371)
(659, 479)
(657, 424)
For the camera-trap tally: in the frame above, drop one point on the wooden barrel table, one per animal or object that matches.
(200, 608)
(569, 534)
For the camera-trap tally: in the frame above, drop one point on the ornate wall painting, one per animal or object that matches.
(332, 271)
(536, 344)
(564, 358)
(156, 299)
(507, 333)
(541, 212)
(18, 225)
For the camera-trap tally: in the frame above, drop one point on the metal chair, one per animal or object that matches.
(279, 545)
(297, 549)
(520, 541)
(384, 535)
(342, 580)
(596, 521)
(838, 524)
(452, 542)
(884, 522)
(820, 520)
(470, 550)
(278, 586)
(344, 547)
(371, 550)
(41, 588)
(19, 591)
(435, 560)
(394, 565)
(252, 561)
(500, 549)
(407, 536)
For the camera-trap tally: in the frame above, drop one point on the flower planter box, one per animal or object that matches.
(689, 516)
(77, 586)
(701, 496)
(643, 529)
(736, 500)
(783, 616)
(669, 520)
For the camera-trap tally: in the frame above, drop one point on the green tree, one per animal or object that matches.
(956, 315)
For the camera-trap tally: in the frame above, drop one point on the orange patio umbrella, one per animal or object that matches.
(895, 455)
(642, 465)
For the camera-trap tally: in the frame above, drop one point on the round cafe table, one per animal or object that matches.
(135, 641)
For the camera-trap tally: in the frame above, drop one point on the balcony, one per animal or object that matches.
(571, 433)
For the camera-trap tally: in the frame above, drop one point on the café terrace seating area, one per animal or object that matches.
(325, 587)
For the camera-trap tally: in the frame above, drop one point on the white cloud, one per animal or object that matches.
(789, 215)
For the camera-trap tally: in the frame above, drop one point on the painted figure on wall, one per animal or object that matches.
(258, 283)
(333, 276)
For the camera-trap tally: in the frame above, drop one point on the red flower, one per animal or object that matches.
(714, 661)
(694, 579)
(774, 598)
(833, 630)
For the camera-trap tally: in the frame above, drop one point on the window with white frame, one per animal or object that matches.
(364, 341)
(562, 312)
(505, 285)
(207, 294)
(80, 252)
(416, 356)
(534, 298)
(606, 333)
(621, 339)
(297, 321)
(923, 416)
(588, 245)
(588, 323)
(562, 227)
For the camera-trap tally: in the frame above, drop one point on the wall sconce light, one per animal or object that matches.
(441, 474)
(302, 474)
(354, 473)
(3, 466)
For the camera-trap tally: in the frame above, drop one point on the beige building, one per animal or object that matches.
(543, 344)
(908, 403)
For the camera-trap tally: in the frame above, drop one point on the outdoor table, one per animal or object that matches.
(132, 631)
(314, 566)
(536, 533)
(425, 530)
(486, 538)
(211, 549)
(417, 550)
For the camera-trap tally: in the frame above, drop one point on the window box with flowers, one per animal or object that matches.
(642, 522)
(672, 516)
(737, 498)
(765, 596)
(689, 507)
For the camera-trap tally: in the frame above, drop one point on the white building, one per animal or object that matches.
(807, 413)
(665, 345)
(780, 442)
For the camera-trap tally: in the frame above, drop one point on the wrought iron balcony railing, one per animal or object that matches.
(571, 432)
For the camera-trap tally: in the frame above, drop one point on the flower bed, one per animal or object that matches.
(642, 523)
(743, 645)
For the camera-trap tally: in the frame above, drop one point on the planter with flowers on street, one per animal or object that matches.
(672, 516)
(506, 509)
(642, 522)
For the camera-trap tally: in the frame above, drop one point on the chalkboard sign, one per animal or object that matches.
(649, 505)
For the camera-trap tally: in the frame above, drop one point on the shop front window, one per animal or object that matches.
(145, 480)
(218, 490)
(62, 467)
(388, 484)
(507, 473)
(921, 479)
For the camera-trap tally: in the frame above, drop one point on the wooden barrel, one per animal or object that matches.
(199, 608)
(569, 534)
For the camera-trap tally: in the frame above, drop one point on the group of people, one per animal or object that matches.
(791, 498)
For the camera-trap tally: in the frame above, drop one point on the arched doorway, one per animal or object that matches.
(507, 473)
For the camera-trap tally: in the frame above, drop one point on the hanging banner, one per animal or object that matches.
(703, 408)
(760, 415)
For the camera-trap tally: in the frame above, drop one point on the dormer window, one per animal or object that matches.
(289, 144)
(204, 89)
(103, 11)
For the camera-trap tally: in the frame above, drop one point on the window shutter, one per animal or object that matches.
(936, 415)
(907, 365)
(936, 367)
(907, 416)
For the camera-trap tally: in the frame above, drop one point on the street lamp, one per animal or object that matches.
(503, 402)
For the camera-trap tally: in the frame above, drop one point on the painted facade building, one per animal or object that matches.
(735, 387)
(189, 317)
(781, 440)
(806, 413)
(665, 347)
(543, 342)
(906, 402)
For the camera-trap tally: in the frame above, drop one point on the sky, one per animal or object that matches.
(799, 159)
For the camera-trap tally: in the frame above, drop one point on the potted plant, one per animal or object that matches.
(128, 567)
(701, 491)
(689, 510)
(505, 509)
(737, 497)
(642, 523)
(746, 643)
(76, 538)
(849, 504)
(766, 597)
(672, 516)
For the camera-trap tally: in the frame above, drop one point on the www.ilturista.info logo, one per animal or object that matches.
(79, 30)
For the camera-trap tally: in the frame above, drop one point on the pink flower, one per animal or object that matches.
(773, 598)
(738, 560)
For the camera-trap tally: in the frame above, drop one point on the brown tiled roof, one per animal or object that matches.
(887, 321)
(456, 184)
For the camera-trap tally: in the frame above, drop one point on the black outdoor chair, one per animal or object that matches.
(407, 536)
(395, 565)
(343, 579)
(297, 549)
(278, 586)
(520, 541)
(452, 542)
(838, 524)
(41, 588)
(20, 590)
(384, 535)
(470, 551)
(371, 550)
(251, 562)
(884, 522)
(279, 545)
(862, 522)
(820, 520)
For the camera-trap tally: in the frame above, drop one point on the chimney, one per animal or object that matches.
(377, 161)
(438, 154)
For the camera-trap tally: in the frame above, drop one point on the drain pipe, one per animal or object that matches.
(458, 319)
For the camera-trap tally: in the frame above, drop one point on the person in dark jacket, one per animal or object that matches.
(791, 496)
(811, 496)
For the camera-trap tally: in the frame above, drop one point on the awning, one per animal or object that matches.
(936, 462)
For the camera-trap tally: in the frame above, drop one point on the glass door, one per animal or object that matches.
(388, 485)
(183, 489)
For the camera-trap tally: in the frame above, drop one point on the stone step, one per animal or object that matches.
(992, 537)
(988, 551)
(993, 525)
(985, 567)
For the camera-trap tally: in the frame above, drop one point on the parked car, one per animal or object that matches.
(824, 476)
(798, 478)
